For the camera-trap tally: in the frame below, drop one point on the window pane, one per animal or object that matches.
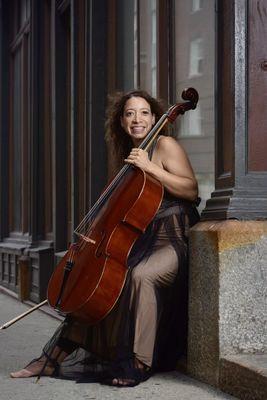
(127, 42)
(196, 57)
(24, 11)
(194, 67)
(197, 5)
(148, 45)
(16, 139)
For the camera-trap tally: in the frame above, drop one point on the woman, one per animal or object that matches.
(146, 330)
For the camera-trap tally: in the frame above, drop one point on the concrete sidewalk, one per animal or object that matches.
(24, 341)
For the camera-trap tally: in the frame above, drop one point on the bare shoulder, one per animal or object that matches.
(173, 157)
(166, 140)
(169, 144)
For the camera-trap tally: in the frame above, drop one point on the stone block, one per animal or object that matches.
(227, 293)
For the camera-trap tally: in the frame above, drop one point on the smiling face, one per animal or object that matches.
(137, 119)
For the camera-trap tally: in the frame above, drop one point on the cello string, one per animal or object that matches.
(144, 145)
(84, 227)
(148, 145)
(101, 199)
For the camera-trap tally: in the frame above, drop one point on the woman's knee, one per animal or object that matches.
(142, 276)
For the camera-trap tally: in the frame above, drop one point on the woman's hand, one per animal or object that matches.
(139, 158)
(170, 166)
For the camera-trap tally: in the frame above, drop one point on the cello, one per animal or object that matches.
(88, 281)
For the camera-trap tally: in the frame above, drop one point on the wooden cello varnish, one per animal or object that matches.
(100, 265)
(88, 281)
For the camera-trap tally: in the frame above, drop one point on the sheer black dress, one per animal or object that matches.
(149, 321)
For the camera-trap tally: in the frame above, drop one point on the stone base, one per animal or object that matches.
(244, 376)
(227, 294)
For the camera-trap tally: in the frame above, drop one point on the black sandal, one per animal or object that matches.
(139, 375)
(53, 364)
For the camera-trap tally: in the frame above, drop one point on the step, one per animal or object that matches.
(244, 376)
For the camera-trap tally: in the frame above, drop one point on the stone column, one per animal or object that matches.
(228, 248)
(241, 118)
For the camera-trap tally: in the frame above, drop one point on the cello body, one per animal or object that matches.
(100, 262)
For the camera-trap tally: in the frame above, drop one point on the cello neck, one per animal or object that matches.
(191, 97)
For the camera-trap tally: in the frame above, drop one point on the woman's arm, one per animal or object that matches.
(169, 165)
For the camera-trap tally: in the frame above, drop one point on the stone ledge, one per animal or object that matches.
(244, 376)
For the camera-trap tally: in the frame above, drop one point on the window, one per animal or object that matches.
(194, 36)
(165, 47)
(196, 57)
(137, 44)
(19, 122)
(148, 45)
(190, 123)
(16, 155)
(197, 5)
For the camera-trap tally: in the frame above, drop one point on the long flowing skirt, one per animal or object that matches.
(149, 319)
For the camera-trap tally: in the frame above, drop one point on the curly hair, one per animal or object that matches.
(115, 135)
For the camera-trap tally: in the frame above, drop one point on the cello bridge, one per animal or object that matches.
(87, 239)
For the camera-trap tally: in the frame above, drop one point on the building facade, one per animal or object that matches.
(59, 62)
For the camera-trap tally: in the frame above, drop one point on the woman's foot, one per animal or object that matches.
(45, 365)
(34, 369)
(140, 374)
(124, 382)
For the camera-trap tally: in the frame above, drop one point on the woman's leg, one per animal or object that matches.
(150, 280)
